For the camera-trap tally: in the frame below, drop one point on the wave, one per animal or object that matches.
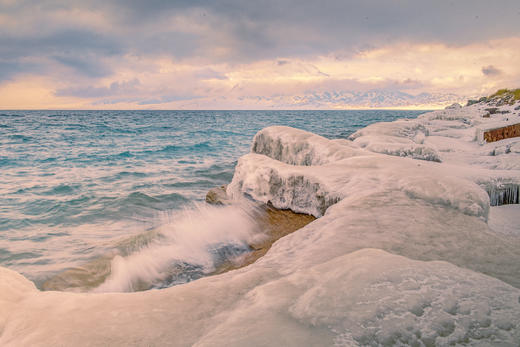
(62, 189)
(198, 147)
(152, 201)
(192, 243)
(63, 206)
(20, 138)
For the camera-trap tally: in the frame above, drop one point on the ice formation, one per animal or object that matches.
(407, 251)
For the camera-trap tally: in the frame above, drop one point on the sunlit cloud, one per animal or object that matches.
(115, 54)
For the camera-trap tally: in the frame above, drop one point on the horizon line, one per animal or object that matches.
(242, 109)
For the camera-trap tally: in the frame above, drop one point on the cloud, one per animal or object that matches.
(243, 31)
(167, 99)
(88, 66)
(9, 69)
(199, 49)
(115, 88)
(490, 70)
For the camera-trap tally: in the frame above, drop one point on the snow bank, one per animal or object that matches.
(402, 138)
(13, 288)
(405, 252)
(368, 297)
(505, 219)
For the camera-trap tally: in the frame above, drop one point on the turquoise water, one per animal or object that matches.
(73, 183)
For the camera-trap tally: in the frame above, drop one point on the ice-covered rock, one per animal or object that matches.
(404, 138)
(307, 189)
(285, 186)
(454, 106)
(299, 147)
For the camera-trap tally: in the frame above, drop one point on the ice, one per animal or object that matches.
(299, 147)
(405, 252)
(403, 138)
(504, 194)
(393, 300)
(369, 297)
(13, 288)
(308, 189)
(505, 220)
(283, 185)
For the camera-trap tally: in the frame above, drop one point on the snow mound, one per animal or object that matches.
(505, 220)
(368, 297)
(394, 300)
(13, 288)
(403, 138)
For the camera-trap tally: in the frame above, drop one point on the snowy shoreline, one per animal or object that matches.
(405, 250)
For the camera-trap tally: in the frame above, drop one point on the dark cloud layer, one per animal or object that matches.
(233, 31)
(115, 89)
(490, 70)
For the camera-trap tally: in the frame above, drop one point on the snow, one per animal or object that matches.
(505, 219)
(403, 138)
(407, 251)
(295, 147)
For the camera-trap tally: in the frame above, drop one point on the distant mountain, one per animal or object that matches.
(375, 98)
(356, 99)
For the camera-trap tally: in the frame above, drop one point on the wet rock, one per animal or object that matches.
(275, 224)
(217, 196)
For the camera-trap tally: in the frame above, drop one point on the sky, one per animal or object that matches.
(238, 54)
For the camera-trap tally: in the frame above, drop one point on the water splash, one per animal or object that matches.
(191, 244)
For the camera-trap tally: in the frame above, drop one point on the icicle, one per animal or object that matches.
(504, 194)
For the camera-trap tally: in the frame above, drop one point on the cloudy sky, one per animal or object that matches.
(238, 54)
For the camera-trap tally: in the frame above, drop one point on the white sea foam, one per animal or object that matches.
(189, 239)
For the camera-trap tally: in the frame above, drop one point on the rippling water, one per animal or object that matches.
(74, 183)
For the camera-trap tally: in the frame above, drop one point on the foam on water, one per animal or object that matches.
(191, 243)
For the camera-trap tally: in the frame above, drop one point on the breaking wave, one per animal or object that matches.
(190, 244)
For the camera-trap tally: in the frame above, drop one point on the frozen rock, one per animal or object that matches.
(299, 147)
(217, 196)
(453, 106)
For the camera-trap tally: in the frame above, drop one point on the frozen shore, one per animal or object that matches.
(407, 249)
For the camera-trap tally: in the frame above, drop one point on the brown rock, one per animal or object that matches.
(502, 133)
(275, 224)
(217, 196)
